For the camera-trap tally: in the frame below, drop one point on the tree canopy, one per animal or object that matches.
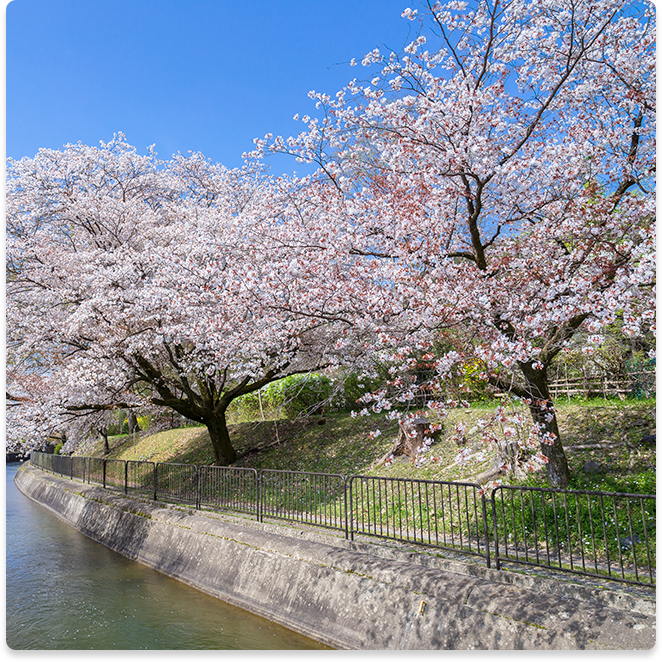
(502, 168)
(479, 199)
(133, 282)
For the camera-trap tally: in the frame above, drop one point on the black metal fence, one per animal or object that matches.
(599, 534)
(434, 513)
(229, 488)
(310, 498)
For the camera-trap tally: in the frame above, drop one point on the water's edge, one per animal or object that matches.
(65, 591)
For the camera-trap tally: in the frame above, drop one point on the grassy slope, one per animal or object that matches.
(342, 445)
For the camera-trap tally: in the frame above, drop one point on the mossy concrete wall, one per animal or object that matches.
(343, 594)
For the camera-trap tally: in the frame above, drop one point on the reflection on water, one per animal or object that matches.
(65, 591)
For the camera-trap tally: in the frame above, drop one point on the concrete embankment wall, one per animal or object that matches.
(348, 595)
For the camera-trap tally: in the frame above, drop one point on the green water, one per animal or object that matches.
(67, 592)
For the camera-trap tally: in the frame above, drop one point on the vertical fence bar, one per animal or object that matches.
(350, 523)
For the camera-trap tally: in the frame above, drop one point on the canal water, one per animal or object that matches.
(67, 592)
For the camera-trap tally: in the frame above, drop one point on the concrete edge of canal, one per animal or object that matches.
(343, 594)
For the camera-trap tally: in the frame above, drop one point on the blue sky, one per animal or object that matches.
(201, 75)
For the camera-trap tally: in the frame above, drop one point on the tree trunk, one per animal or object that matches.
(224, 452)
(103, 433)
(544, 414)
(133, 422)
(409, 440)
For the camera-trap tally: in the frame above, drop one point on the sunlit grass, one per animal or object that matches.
(342, 445)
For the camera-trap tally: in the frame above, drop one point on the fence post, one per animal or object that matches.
(156, 475)
(350, 519)
(485, 529)
(104, 473)
(496, 530)
(258, 493)
(197, 487)
(344, 486)
(71, 467)
(126, 476)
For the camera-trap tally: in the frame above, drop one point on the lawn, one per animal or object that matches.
(609, 433)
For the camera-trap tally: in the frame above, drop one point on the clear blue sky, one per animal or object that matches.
(201, 75)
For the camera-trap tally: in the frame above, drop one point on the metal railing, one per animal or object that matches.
(434, 513)
(140, 478)
(310, 498)
(229, 488)
(599, 534)
(176, 482)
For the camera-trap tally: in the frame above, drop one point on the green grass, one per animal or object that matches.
(342, 446)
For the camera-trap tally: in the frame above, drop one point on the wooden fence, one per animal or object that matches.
(641, 384)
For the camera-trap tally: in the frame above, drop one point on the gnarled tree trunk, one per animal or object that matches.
(541, 407)
(224, 452)
(103, 435)
(409, 440)
(543, 413)
(132, 422)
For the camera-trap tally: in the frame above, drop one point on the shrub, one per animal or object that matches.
(290, 397)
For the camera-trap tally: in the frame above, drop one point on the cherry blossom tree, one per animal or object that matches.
(134, 282)
(500, 171)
